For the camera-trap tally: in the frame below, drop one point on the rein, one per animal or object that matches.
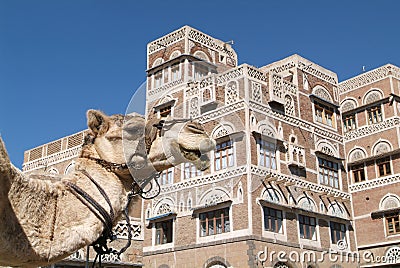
(107, 218)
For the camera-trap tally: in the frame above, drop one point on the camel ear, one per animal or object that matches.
(97, 122)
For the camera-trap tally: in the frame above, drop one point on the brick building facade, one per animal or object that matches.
(304, 173)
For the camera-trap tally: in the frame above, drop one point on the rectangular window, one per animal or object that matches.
(190, 171)
(392, 224)
(374, 115)
(167, 177)
(358, 173)
(328, 173)
(384, 166)
(324, 115)
(349, 123)
(214, 222)
(267, 154)
(224, 155)
(307, 227)
(163, 232)
(175, 72)
(157, 79)
(200, 71)
(338, 232)
(273, 220)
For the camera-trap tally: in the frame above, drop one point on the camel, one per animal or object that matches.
(44, 219)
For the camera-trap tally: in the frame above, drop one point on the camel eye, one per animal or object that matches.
(113, 138)
(196, 127)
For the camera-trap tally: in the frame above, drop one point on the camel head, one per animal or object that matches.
(174, 141)
(106, 136)
(147, 147)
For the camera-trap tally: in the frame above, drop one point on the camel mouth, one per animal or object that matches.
(190, 154)
(196, 157)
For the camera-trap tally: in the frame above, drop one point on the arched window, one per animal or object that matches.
(289, 105)
(307, 203)
(372, 96)
(393, 255)
(281, 265)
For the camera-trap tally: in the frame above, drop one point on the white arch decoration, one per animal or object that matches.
(165, 205)
(348, 104)
(307, 203)
(357, 153)
(214, 196)
(201, 55)
(223, 129)
(336, 210)
(327, 148)
(157, 62)
(393, 255)
(175, 54)
(389, 201)
(272, 195)
(322, 92)
(267, 129)
(373, 95)
(381, 147)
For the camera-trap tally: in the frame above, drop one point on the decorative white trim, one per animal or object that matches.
(300, 182)
(121, 230)
(52, 159)
(371, 184)
(369, 77)
(372, 129)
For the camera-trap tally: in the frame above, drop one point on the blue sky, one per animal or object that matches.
(61, 58)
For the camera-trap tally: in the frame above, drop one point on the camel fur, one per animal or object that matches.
(42, 221)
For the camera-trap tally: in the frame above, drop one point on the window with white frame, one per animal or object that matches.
(392, 224)
(307, 226)
(328, 172)
(163, 232)
(374, 115)
(175, 72)
(338, 232)
(383, 166)
(266, 153)
(158, 79)
(223, 155)
(349, 122)
(190, 171)
(200, 71)
(273, 219)
(214, 222)
(324, 114)
(358, 173)
(166, 177)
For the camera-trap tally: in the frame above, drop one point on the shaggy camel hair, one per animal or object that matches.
(42, 221)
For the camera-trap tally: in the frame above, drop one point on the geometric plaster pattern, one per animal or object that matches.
(368, 77)
(367, 185)
(371, 129)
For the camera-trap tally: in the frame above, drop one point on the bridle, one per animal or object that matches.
(107, 218)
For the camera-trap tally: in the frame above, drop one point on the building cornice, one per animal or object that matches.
(369, 77)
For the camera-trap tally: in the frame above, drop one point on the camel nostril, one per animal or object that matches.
(206, 145)
(195, 126)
